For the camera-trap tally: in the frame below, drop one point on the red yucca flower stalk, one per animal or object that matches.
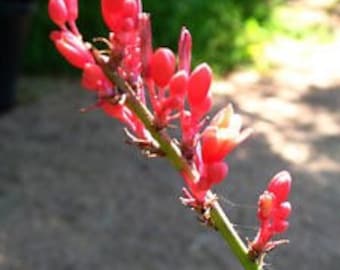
(150, 90)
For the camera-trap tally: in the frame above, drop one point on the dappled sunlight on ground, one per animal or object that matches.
(288, 118)
(294, 111)
(296, 106)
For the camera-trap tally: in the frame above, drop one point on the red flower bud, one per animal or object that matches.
(72, 8)
(162, 66)
(280, 185)
(265, 205)
(111, 6)
(178, 84)
(93, 78)
(146, 43)
(57, 11)
(216, 172)
(72, 48)
(272, 213)
(280, 226)
(130, 8)
(184, 50)
(202, 108)
(121, 113)
(120, 15)
(199, 84)
(111, 11)
(284, 210)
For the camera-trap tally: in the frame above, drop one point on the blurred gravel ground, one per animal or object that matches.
(74, 197)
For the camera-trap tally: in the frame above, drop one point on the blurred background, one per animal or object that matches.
(73, 196)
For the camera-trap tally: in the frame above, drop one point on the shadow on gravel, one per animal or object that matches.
(325, 98)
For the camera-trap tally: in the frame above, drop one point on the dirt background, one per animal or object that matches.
(74, 197)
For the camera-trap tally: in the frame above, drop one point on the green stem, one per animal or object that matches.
(169, 148)
(229, 234)
(173, 153)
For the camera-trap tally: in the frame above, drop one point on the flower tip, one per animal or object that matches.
(280, 185)
(57, 11)
(72, 8)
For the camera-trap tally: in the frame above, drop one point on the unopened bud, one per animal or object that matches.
(199, 84)
(57, 11)
(162, 66)
(216, 172)
(265, 205)
(178, 84)
(72, 48)
(184, 50)
(280, 185)
(72, 9)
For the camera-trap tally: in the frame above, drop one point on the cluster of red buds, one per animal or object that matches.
(175, 92)
(174, 95)
(273, 212)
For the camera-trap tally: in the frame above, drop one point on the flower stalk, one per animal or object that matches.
(218, 217)
(128, 74)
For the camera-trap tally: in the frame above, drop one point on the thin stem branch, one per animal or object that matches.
(173, 153)
(229, 234)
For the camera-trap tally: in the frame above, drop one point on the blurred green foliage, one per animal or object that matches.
(220, 30)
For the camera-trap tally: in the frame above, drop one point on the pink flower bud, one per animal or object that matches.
(57, 11)
(202, 108)
(199, 84)
(146, 43)
(178, 84)
(280, 226)
(265, 205)
(129, 8)
(216, 172)
(139, 6)
(272, 214)
(72, 8)
(280, 185)
(188, 127)
(112, 6)
(111, 11)
(120, 15)
(93, 78)
(162, 66)
(284, 210)
(184, 50)
(121, 113)
(72, 48)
